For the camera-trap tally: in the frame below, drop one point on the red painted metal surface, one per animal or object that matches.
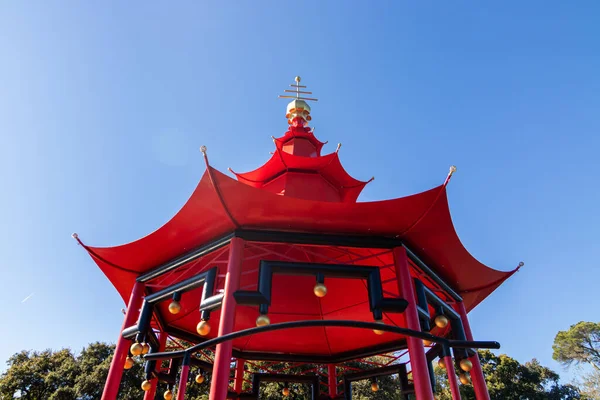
(332, 380)
(113, 381)
(479, 385)
(416, 350)
(162, 341)
(183, 379)
(220, 379)
(452, 378)
(239, 376)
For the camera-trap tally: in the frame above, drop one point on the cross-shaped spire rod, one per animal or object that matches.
(297, 91)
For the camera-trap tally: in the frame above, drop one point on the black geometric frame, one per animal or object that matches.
(262, 297)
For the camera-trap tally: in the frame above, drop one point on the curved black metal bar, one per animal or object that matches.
(323, 323)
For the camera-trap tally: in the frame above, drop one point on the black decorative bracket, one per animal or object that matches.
(208, 302)
(262, 297)
(426, 297)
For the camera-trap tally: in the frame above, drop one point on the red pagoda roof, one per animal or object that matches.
(220, 205)
(328, 167)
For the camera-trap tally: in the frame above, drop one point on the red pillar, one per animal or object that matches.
(113, 381)
(220, 378)
(183, 378)
(239, 376)
(162, 342)
(479, 385)
(452, 379)
(416, 350)
(332, 379)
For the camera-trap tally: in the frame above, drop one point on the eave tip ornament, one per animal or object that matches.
(298, 110)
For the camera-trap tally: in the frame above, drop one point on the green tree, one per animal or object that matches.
(578, 345)
(508, 379)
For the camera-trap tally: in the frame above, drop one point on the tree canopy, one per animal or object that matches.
(580, 346)
(508, 379)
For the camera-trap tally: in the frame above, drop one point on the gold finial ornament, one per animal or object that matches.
(168, 394)
(298, 110)
(464, 379)
(203, 149)
(441, 321)
(136, 349)
(203, 328)
(128, 363)
(199, 378)
(263, 320)
(320, 290)
(146, 385)
(377, 331)
(374, 386)
(175, 307)
(145, 348)
(442, 363)
(452, 169)
(427, 342)
(466, 364)
(285, 391)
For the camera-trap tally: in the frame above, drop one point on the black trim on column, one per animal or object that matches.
(207, 304)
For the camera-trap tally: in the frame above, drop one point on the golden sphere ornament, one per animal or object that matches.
(320, 290)
(174, 307)
(441, 321)
(285, 392)
(136, 349)
(168, 394)
(262, 320)
(203, 328)
(374, 386)
(146, 385)
(145, 348)
(377, 331)
(128, 363)
(464, 379)
(442, 363)
(427, 343)
(466, 365)
(199, 378)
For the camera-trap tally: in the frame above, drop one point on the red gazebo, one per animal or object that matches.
(283, 264)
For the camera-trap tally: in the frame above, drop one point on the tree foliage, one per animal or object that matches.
(578, 345)
(508, 379)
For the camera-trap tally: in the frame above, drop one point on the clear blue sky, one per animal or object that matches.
(103, 108)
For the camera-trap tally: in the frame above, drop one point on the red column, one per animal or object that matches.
(183, 378)
(113, 381)
(332, 379)
(416, 350)
(452, 379)
(479, 385)
(162, 341)
(239, 376)
(220, 378)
